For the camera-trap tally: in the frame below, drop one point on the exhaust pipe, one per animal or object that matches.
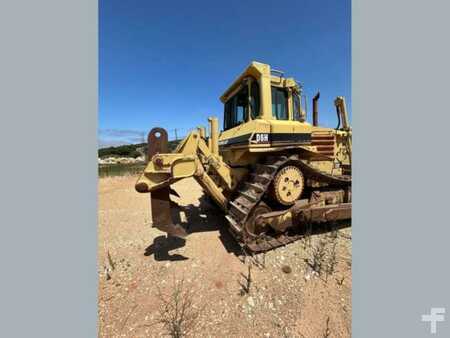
(342, 112)
(316, 110)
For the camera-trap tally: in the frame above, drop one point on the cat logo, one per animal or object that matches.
(262, 138)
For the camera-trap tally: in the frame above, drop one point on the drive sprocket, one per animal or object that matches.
(288, 185)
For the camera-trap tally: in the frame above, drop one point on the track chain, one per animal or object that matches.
(252, 191)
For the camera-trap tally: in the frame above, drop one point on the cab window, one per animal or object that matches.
(297, 108)
(254, 99)
(279, 104)
(236, 109)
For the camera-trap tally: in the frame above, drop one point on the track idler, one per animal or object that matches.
(322, 207)
(301, 213)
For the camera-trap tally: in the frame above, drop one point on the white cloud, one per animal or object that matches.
(117, 137)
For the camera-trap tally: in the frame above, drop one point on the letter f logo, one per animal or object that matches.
(436, 315)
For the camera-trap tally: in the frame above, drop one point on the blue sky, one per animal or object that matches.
(165, 63)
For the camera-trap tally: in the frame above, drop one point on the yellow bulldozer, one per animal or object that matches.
(269, 170)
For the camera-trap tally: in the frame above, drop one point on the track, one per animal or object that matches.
(251, 193)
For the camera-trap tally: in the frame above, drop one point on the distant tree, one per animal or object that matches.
(135, 154)
(130, 150)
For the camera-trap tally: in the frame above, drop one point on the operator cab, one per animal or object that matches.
(253, 97)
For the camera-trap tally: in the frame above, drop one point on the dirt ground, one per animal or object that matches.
(301, 290)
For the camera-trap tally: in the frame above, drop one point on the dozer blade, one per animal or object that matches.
(160, 199)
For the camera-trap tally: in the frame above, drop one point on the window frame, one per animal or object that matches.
(231, 108)
(297, 115)
(275, 114)
(256, 107)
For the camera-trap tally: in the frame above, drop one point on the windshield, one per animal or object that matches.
(237, 108)
(279, 103)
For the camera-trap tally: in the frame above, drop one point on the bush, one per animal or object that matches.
(178, 314)
(129, 150)
(135, 154)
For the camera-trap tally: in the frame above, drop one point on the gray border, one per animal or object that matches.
(401, 232)
(48, 172)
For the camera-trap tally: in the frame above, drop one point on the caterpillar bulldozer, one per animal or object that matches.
(269, 170)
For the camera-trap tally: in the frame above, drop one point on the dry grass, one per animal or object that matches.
(177, 312)
(323, 255)
(138, 259)
(247, 281)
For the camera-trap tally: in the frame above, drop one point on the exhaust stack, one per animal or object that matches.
(316, 109)
(342, 112)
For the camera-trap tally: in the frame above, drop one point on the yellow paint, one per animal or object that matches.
(219, 166)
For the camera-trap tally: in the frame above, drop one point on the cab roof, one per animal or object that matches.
(256, 70)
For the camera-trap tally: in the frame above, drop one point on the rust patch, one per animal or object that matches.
(157, 140)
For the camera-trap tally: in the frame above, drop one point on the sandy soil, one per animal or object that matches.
(286, 297)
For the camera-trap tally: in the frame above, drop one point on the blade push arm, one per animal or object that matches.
(192, 158)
